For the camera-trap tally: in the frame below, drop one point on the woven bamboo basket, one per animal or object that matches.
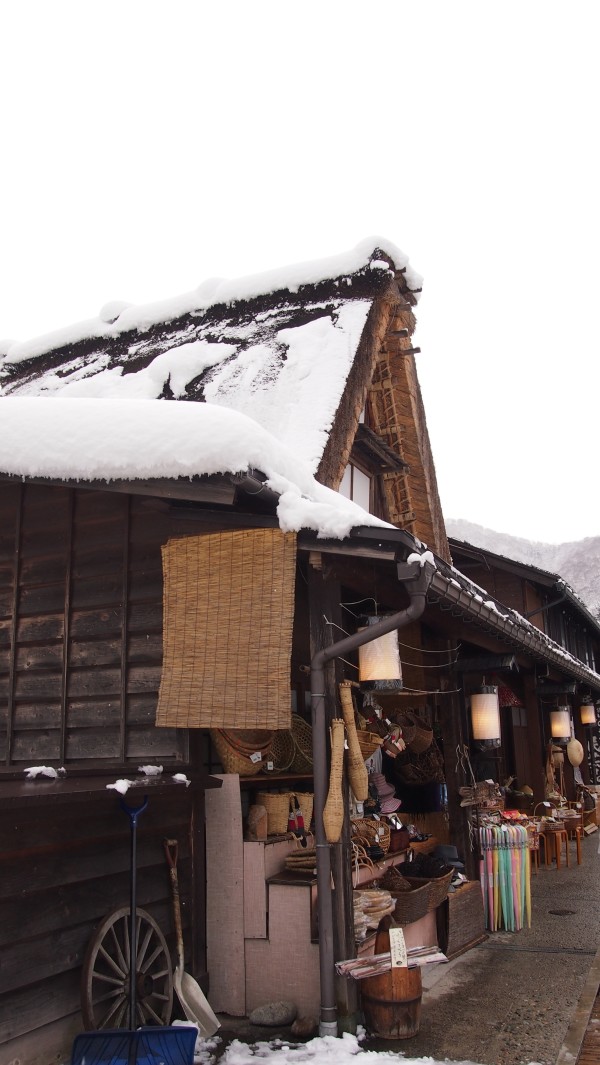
(306, 801)
(423, 735)
(357, 770)
(302, 736)
(413, 904)
(376, 832)
(231, 759)
(333, 812)
(277, 805)
(438, 889)
(368, 742)
(282, 750)
(411, 896)
(248, 741)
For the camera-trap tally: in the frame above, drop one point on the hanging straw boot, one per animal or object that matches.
(357, 770)
(333, 812)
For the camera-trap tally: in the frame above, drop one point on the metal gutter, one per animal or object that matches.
(417, 579)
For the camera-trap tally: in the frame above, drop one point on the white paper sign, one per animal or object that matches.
(398, 953)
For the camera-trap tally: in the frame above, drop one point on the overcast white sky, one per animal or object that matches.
(147, 146)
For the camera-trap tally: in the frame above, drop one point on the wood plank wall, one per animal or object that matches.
(62, 870)
(80, 629)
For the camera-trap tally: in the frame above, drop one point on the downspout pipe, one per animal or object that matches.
(417, 579)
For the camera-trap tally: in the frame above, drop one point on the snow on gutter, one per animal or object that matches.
(512, 626)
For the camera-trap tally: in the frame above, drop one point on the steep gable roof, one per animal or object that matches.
(298, 350)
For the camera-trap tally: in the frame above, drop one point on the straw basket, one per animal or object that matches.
(377, 833)
(368, 742)
(277, 805)
(282, 750)
(438, 887)
(411, 896)
(423, 735)
(233, 759)
(306, 801)
(302, 736)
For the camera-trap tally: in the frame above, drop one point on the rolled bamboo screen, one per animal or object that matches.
(228, 608)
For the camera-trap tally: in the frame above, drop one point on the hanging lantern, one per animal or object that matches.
(560, 724)
(485, 716)
(587, 713)
(379, 666)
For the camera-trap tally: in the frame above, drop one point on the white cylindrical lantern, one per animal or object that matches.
(560, 723)
(485, 714)
(587, 713)
(379, 665)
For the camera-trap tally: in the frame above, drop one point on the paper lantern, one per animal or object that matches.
(560, 724)
(485, 715)
(379, 667)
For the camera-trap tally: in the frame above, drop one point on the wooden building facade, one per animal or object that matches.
(81, 601)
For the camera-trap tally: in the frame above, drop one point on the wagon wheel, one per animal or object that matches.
(106, 970)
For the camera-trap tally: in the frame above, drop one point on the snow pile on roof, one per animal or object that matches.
(219, 291)
(104, 440)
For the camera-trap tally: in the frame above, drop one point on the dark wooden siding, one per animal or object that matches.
(80, 629)
(63, 868)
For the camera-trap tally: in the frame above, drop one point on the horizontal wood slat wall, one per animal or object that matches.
(80, 628)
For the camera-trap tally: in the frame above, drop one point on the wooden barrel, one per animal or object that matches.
(391, 1002)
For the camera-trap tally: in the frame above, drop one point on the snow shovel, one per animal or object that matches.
(191, 997)
(145, 1046)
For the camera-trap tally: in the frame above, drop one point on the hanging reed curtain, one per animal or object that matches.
(228, 609)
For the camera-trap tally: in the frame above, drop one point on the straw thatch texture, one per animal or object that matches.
(228, 605)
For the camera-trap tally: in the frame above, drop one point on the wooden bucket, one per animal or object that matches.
(391, 1002)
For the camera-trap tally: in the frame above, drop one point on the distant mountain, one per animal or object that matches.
(577, 563)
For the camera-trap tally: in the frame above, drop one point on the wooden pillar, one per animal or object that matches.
(454, 740)
(535, 740)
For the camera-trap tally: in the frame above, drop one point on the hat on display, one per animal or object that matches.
(575, 752)
(448, 854)
(389, 806)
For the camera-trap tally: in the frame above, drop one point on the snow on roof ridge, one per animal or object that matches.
(214, 291)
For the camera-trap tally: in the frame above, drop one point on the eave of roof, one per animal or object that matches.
(531, 573)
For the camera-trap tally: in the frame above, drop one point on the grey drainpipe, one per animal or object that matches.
(417, 579)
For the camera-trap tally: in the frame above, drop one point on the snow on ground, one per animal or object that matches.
(322, 1050)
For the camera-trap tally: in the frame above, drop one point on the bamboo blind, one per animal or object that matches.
(228, 609)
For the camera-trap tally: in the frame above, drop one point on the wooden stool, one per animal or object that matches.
(575, 832)
(554, 840)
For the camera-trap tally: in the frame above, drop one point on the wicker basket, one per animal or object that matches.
(282, 750)
(368, 742)
(423, 735)
(277, 805)
(231, 759)
(302, 736)
(411, 896)
(306, 801)
(438, 887)
(376, 832)
(413, 904)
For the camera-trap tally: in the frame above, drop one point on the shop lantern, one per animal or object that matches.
(587, 712)
(560, 724)
(379, 667)
(485, 716)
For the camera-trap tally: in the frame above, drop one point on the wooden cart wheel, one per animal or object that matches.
(106, 970)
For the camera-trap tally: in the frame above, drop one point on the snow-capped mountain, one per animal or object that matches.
(578, 562)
